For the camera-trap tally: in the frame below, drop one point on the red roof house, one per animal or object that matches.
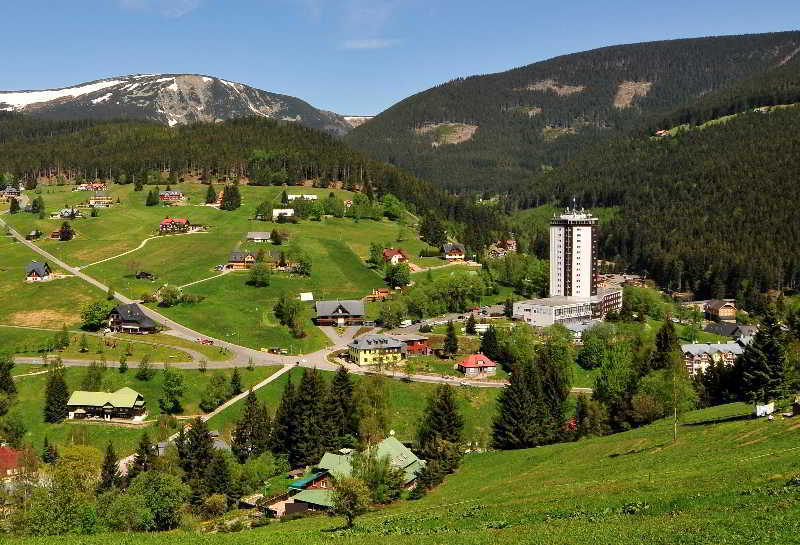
(395, 256)
(477, 364)
(9, 461)
(174, 224)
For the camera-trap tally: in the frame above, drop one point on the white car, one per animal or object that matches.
(406, 323)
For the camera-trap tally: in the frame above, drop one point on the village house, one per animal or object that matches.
(277, 212)
(33, 235)
(579, 328)
(258, 236)
(10, 461)
(10, 192)
(124, 403)
(130, 319)
(174, 225)
(67, 213)
(37, 272)
(375, 349)
(241, 260)
(305, 197)
(720, 311)
(726, 329)
(170, 196)
(414, 345)
(698, 356)
(101, 199)
(314, 492)
(395, 256)
(339, 313)
(90, 187)
(502, 247)
(476, 365)
(453, 252)
(55, 235)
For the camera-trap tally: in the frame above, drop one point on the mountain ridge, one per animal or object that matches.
(168, 98)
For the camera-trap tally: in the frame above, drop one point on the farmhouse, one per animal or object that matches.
(124, 403)
(11, 192)
(502, 247)
(395, 256)
(37, 272)
(314, 491)
(453, 252)
(276, 212)
(376, 350)
(379, 294)
(33, 235)
(241, 260)
(720, 311)
(258, 236)
(101, 199)
(170, 196)
(67, 213)
(174, 225)
(726, 329)
(476, 365)
(305, 197)
(698, 356)
(130, 319)
(10, 461)
(339, 313)
(90, 187)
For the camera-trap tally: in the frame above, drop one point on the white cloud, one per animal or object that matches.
(371, 43)
(168, 8)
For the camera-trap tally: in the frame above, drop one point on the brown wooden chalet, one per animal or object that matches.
(37, 271)
(130, 319)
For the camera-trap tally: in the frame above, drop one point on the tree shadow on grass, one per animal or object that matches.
(636, 451)
(733, 418)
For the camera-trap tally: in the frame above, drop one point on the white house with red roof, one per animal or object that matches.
(477, 365)
(174, 225)
(10, 461)
(395, 256)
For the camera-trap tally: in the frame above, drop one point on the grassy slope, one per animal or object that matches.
(30, 404)
(336, 246)
(720, 483)
(406, 403)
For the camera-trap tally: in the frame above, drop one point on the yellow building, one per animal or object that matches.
(376, 350)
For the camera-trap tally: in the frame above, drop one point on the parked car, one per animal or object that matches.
(406, 323)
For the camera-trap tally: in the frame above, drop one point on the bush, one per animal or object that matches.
(215, 505)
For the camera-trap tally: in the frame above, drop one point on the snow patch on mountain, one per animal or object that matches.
(19, 99)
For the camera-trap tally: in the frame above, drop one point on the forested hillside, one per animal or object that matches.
(260, 151)
(493, 132)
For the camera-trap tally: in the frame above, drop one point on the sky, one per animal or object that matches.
(354, 57)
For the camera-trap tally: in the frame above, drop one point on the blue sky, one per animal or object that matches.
(349, 56)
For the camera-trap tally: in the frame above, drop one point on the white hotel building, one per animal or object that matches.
(574, 297)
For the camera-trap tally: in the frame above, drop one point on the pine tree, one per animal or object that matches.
(470, 327)
(514, 425)
(451, 340)
(211, 195)
(196, 450)
(49, 452)
(218, 475)
(84, 343)
(489, 345)
(508, 308)
(341, 407)
(152, 198)
(666, 344)
(284, 424)
(309, 409)
(123, 363)
(236, 382)
(6, 381)
(763, 362)
(143, 458)
(251, 432)
(442, 421)
(109, 473)
(56, 396)
(14, 206)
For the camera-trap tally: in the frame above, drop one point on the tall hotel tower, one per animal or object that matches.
(573, 255)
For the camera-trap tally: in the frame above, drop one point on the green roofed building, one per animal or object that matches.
(124, 403)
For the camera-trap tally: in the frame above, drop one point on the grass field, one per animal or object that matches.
(724, 481)
(30, 404)
(337, 247)
(407, 400)
(27, 342)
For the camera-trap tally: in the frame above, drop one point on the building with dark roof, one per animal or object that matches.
(376, 349)
(130, 319)
(453, 252)
(37, 271)
(339, 313)
(720, 310)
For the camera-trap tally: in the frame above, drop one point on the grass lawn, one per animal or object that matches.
(30, 404)
(38, 304)
(29, 342)
(407, 401)
(211, 353)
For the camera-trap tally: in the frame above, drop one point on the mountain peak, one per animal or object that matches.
(173, 99)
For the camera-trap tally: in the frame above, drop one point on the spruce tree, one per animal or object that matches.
(666, 344)
(308, 444)
(442, 421)
(109, 472)
(143, 459)
(508, 308)
(211, 195)
(263, 431)
(56, 396)
(49, 452)
(470, 327)
(763, 362)
(490, 346)
(451, 340)
(197, 449)
(123, 363)
(251, 432)
(236, 382)
(218, 475)
(514, 425)
(152, 198)
(342, 392)
(14, 206)
(7, 385)
(284, 424)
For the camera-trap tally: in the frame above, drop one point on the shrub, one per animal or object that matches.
(215, 505)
